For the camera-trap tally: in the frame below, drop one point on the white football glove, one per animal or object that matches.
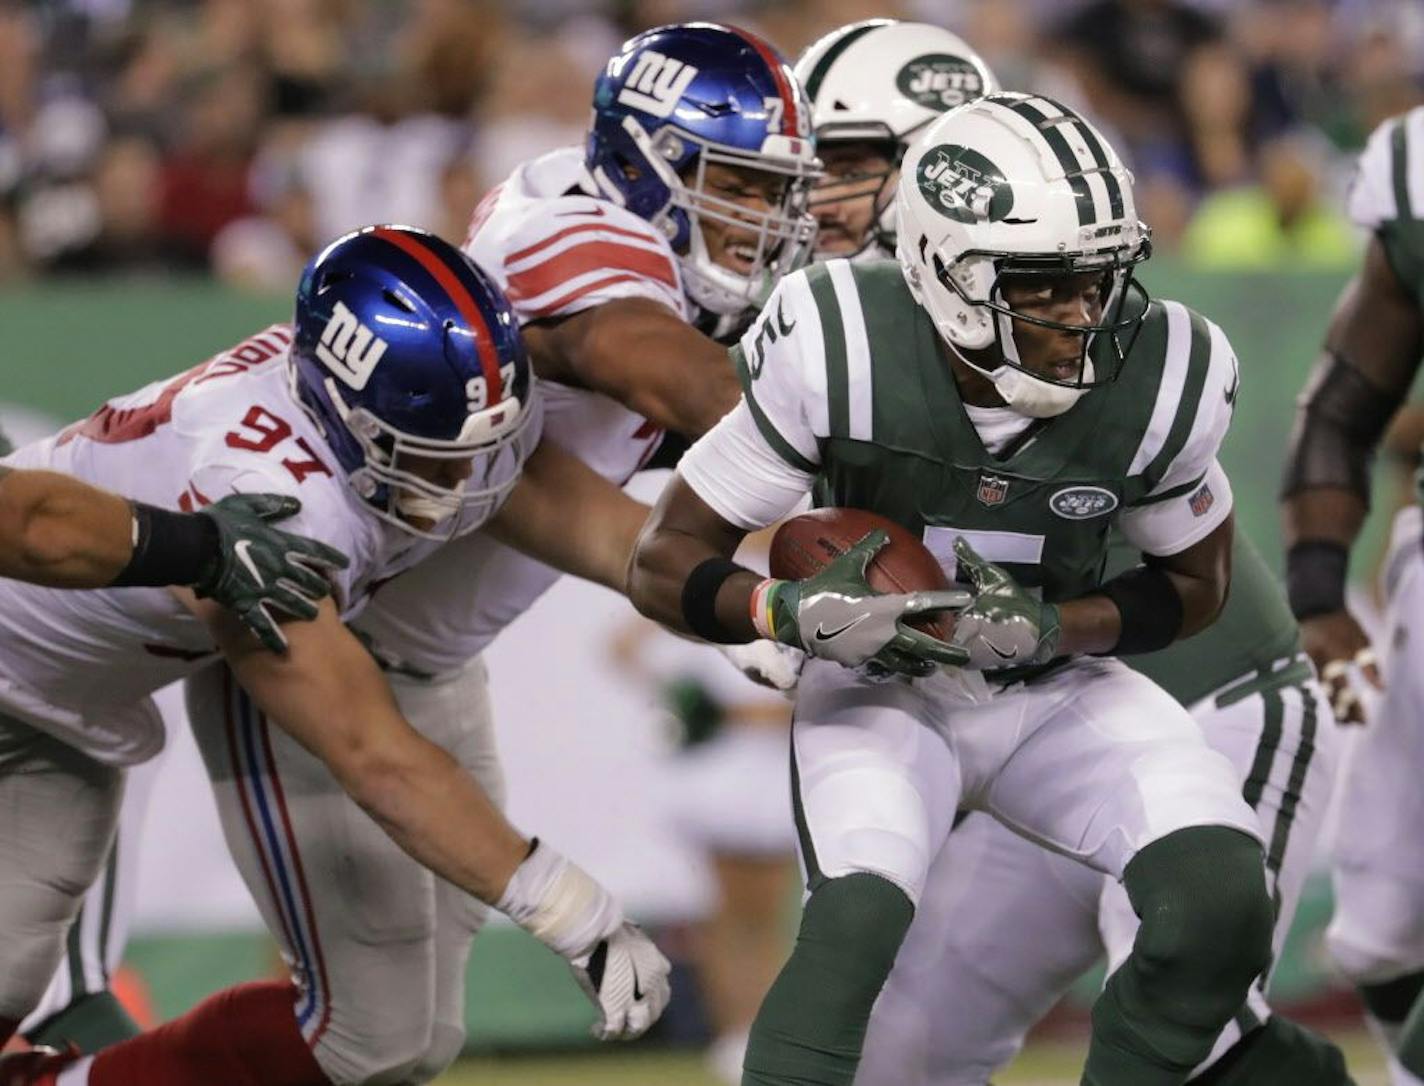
(617, 966)
(767, 663)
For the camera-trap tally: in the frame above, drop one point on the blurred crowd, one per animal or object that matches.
(235, 136)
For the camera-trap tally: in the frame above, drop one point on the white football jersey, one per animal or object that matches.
(80, 664)
(556, 251)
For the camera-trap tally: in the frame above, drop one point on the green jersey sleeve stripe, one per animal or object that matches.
(822, 69)
(1173, 492)
(1198, 362)
(860, 407)
(823, 292)
(1399, 154)
(779, 444)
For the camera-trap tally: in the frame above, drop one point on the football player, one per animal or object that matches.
(1371, 355)
(1008, 388)
(401, 408)
(994, 900)
(686, 203)
(58, 531)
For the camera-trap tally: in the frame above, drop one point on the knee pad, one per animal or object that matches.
(447, 1041)
(353, 1054)
(1207, 918)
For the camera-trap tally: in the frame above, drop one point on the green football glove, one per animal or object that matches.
(836, 615)
(259, 569)
(1004, 626)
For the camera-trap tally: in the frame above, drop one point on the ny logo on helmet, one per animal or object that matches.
(656, 83)
(939, 81)
(963, 185)
(348, 348)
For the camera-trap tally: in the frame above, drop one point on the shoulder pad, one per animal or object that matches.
(1389, 179)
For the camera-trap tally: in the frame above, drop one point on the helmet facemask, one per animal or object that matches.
(780, 238)
(978, 278)
(877, 185)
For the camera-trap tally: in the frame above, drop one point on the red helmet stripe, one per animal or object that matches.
(460, 295)
(791, 114)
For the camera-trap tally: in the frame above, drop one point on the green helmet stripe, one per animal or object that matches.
(823, 66)
(1095, 148)
(1399, 150)
(1072, 169)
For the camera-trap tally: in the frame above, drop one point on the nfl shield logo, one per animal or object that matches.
(992, 490)
(1201, 501)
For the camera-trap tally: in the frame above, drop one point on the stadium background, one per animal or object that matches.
(165, 167)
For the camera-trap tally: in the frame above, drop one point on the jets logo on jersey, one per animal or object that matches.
(992, 490)
(963, 185)
(656, 83)
(939, 81)
(348, 348)
(1082, 502)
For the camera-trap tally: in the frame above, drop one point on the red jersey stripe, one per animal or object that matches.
(515, 257)
(464, 302)
(588, 288)
(590, 256)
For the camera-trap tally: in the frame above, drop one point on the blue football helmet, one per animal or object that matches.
(404, 348)
(679, 98)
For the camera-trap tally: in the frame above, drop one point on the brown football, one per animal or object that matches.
(806, 544)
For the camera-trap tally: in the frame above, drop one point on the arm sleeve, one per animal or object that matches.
(741, 477)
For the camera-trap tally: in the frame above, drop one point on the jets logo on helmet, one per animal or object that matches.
(679, 100)
(874, 86)
(940, 81)
(1014, 190)
(962, 184)
(446, 380)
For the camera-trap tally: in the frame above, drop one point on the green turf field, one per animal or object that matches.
(1045, 1064)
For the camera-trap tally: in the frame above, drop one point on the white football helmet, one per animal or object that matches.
(1018, 185)
(881, 82)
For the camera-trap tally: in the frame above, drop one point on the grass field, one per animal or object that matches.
(1044, 1064)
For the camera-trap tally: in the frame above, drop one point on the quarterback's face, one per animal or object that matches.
(1073, 300)
(845, 202)
(732, 244)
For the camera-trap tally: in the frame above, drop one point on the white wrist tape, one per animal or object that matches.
(559, 903)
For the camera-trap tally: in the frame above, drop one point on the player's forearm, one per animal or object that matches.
(1092, 624)
(663, 561)
(58, 531)
(688, 398)
(434, 810)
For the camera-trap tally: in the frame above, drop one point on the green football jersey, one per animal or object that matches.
(1255, 629)
(848, 381)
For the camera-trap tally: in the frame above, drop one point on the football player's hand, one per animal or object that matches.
(1005, 625)
(626, 977)
(836, 615)
(1340, 650)
(259, 569)
(767, 663)
(617, 966)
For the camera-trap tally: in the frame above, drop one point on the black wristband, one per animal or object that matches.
(1315, 577)
(169, 548)
(1151, 610)
(699, 599)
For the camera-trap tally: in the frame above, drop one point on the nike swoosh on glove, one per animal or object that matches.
(626, 977)
(620, 970)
